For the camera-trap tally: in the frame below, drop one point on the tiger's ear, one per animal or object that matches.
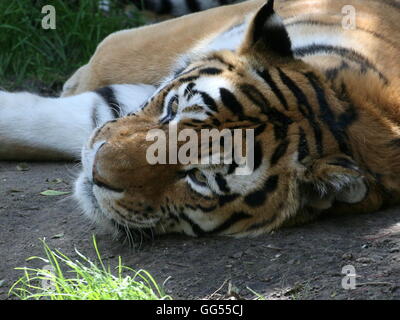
(267, 34)
(333, 178)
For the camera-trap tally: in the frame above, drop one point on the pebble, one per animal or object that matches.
(22, 167)
(347, 256)
(237, 255)
(365, 260)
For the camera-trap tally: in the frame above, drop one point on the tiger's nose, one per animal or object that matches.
(101, 133)
(100, 181)
(106, 163)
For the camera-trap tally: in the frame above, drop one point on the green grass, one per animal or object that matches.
(31, 54)
(64, 279)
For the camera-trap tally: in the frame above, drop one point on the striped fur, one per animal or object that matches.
(322, 100)
(180, 7)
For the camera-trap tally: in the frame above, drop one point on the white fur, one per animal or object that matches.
(60, 124)
(228, 40)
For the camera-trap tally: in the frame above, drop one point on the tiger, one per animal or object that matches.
(317, 81)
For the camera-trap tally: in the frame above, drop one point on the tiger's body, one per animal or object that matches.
(323, 100)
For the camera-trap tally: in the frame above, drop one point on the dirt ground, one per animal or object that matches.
(298, 263)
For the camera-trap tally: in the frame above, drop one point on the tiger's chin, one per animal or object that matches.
(83, 194)
(131, 232)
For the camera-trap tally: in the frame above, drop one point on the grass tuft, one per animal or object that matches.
(64, 279)
(35, 57)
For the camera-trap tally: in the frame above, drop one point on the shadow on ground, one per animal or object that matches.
(297, 263)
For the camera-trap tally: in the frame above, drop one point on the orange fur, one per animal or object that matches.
(320, 181)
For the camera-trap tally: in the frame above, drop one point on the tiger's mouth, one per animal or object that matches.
(132, 233)
(98, 198)
(97, 202)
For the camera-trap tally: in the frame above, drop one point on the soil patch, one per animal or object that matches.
(296, 263)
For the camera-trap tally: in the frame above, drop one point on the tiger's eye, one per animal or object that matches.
(175, 106)
(200, 176)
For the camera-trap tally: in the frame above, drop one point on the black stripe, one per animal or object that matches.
(188, 79)
(145, 5)
(279, 152)
(233, 219)
(302, 102)
(161, 7)
(256, 97)
(258, 155)
(220, 60)
(394, 143)
(223, 200)
(166, 7)
(222, 183)
(280, 121)
(260, 129)
(262, 224)
(229, 100)
(232, 167)
(193, 5)
(196, 121)
(393, 4)
(188, 94)
(216, 122)
(182, 73)
(302, 149)
(206, 209)
(268, 79)
(328, 116)
(258, 198)
(332, 73)
(348, 117)
(349, 54)
(107, 93)
(195, 227)
(171, 114)
(225, 2)
(211, 71)
(208, 101)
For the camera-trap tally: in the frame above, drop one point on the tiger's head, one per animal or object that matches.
(301, 160)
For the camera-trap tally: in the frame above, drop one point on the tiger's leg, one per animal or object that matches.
(42, 128)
